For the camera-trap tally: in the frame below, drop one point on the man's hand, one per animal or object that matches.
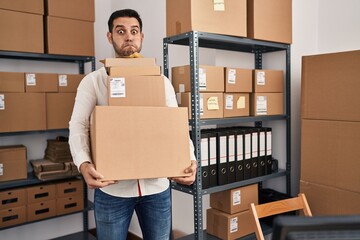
(189, 179)
(93, 177)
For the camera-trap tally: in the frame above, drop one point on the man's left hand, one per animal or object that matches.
(188, 180)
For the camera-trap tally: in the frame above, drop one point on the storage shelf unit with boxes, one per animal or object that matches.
(39, 104)
(230, 95)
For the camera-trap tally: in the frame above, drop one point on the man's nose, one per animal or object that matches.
(128, 37)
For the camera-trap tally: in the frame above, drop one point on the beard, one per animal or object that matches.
(126, 49)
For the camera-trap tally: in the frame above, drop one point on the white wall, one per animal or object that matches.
(319, 26)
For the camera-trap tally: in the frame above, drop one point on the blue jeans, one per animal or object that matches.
(113, 215)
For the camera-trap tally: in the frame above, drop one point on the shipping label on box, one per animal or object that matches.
(130, 150)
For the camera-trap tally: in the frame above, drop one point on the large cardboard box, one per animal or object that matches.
(41, 210)
(71, 204)
(211, 104)
(128, 62)
(136, 91)
(11, 198)
(22, 112)
(267, 81)
(270, 20)
(12, 82)
(29, 6)
(134, 71)
(41, 193)
(211, 78)
(235, 200)
(59, 107)
(329, 88)
(13, 164)
(330, 153)
(21, 32)
(153, 142)
(41, 82)
(69, 37)
(266, 104)
(206, 16)
(327, 200)
(236, 104)
(228, 226)
(238, 80)
(12, 216)
(80, 9)
(69, 82)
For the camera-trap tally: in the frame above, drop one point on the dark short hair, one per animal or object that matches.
(124, 13)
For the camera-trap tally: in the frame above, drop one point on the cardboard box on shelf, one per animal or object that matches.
(69, 82)
(211, 104)
(12, 216)
(134, 71)
(41, 210)
(267, 81)
(238, 80)
(69, 188)
(41, 193)
(69, 37)
(327, 200)
(228, 226)
(13, 165)
(29, 6)
(41, 82)
(211, 78)
(139, 134)
(192, 15)
(11, 198)
(235, 200)
(80, 9)
(128, 62)
(136, 91)
(266, 104)
(236, 104)
(12, 82)
(329, 90)
(270, 20)
(22, 112)
(335, 159)
(59, 107)
(70, 204)
(28, 37)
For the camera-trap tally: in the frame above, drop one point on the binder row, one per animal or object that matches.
(234, 154)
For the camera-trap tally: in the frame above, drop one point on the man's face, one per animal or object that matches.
(126, 37)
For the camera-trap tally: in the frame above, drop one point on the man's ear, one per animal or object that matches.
(109, 37)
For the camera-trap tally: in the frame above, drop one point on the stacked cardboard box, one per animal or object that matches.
(228, 217)
(36, 101)
(22, 26)
(20, 205)
(13, 165)
(152, 138)
(70, 30)
(257, 19)
(330, 133)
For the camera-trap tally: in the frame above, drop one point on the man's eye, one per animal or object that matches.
(134, 32)
(121, 31)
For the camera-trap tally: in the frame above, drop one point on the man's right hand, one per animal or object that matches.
(93, 177)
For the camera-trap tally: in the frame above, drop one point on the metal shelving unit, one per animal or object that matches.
(195, 40)
(31, 179)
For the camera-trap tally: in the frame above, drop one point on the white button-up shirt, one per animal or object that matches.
(92, 91)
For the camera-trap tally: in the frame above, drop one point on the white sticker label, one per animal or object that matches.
(1, 169)
(229, 102)
(236, 198)
(30, 79)
(202, 78)
(231, 76)
(2, 102)
(219, 5)
(117, 88)
(261, 105)
(181, 87)
(178, 98)
(233, 224)
(260, 78)
(201, 105)
(62, 80)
